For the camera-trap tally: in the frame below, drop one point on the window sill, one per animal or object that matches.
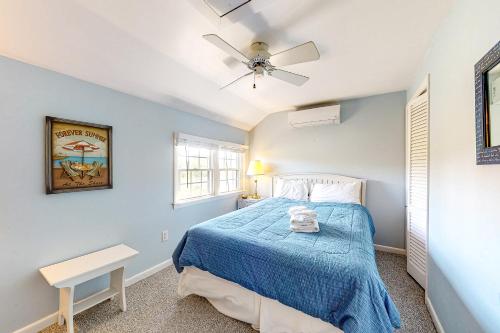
(191, 202)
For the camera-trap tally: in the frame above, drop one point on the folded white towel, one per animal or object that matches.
(295, 209)
(302, 211)
(310, 228)
(306, 213)
(314, 227)
(302, 219)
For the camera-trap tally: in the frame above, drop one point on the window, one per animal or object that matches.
(229, 170)
(206, 168)
(194, 172)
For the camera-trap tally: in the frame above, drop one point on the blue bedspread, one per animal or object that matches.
(331, 275)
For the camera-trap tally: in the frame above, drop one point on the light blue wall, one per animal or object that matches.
(464, 219)
(369, 143)
(38, 229)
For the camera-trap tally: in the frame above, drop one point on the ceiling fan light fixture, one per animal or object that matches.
(260, 61)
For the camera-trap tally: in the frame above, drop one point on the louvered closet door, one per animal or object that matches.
(417, 160)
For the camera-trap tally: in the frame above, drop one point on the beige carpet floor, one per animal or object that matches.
(154, 307)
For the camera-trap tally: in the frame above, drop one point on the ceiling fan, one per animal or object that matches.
(260, 61)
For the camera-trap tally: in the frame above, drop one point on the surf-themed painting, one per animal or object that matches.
(78, 156)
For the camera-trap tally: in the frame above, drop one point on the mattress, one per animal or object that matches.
(330, 275)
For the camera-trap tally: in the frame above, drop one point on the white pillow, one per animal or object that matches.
(341, 192)
(291, 189)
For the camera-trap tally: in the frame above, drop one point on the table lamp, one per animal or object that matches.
(255, 169)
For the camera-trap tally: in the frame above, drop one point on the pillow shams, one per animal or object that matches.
(291, 189)
(341, 192)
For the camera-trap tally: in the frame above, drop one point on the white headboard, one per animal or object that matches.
(323, 178)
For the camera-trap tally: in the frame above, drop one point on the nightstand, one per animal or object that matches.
(242, 203)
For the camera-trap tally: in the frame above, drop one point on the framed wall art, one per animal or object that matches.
(78, 156)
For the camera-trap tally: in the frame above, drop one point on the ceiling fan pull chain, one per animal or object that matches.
(254, 79)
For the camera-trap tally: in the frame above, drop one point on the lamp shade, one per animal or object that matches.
(255, 168)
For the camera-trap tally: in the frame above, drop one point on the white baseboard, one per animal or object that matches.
(148, 272)
(390, 249)
(434, 316)
(52, 318)
(39, 325)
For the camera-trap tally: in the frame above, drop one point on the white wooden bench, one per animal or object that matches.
(67, 274)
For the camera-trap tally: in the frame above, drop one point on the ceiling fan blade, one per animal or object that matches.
(301, 53)
(230, 83)
(289, 77)
(231, 62)
(224, 46)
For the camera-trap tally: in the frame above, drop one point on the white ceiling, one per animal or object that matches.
(153, 48)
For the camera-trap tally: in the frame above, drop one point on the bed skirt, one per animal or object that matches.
(264, 314)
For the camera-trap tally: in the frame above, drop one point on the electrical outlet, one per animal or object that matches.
(164, 236)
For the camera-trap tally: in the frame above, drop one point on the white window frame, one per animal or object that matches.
(240, 170)
(210, 169)
(215, 146)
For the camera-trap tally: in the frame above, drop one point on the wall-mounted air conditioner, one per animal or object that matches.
(325, 115)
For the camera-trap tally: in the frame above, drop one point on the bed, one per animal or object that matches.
(251, 267)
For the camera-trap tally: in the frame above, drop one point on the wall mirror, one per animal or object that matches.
(487, 77)
(492, 104)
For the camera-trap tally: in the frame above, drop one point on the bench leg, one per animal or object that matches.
(117, 282)
(66, 298)
(60, 315)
